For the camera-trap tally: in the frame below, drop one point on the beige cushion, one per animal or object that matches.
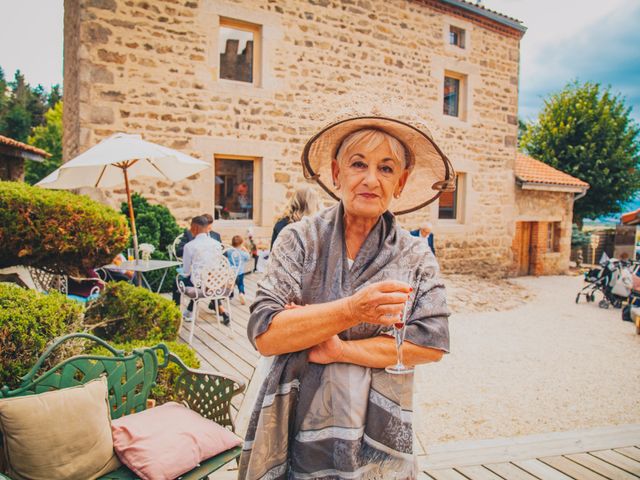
(63, 434)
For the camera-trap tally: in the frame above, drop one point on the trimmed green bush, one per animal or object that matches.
(155, 223)
(57, 231)
(163, 391)
(28, 322)
(124, 312)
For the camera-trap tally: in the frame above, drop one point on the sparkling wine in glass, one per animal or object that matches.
(398, 332)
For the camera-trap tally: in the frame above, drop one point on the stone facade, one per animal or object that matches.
(153, 67)
(543, 211)
(11, 168)
(13, 154)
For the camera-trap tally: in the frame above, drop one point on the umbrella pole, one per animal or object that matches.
(132, 219)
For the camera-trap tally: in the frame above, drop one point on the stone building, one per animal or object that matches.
(544, 200)
(12, 157)
(243, 84)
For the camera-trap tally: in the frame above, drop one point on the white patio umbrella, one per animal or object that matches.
(118, 159)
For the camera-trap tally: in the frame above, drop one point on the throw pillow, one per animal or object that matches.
(165, 442)
(63, 434)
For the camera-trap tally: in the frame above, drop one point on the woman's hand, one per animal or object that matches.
(379, 303)
(329, 351)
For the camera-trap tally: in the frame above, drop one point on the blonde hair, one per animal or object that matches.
(371, 139)
(303, 202)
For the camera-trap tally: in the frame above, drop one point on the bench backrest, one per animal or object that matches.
(129, 377)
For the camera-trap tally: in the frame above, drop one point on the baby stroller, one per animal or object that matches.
(631, 311)
(612, 279)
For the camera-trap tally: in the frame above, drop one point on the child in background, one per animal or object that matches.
(238, 256)
(253, 249)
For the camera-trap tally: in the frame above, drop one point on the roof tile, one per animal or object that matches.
(534, 171)
(10, 142)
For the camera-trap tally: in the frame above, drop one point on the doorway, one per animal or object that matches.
(524, 242)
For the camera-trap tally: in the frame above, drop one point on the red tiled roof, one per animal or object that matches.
(10, 142)
(631, 218)
(531, 170)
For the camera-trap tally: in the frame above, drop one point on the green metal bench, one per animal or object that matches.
(130, 379)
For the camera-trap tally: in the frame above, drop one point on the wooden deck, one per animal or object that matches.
(601, 453)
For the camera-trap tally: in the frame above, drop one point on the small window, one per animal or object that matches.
(448, 203)
(451, 96)
(456, 36)
(553, 237)
(238, 46)
(234, 188)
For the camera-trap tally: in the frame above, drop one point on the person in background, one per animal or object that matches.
(189, 235)
(238, 256)
(86, 286)
(199, 250)
(253, 249)
(303, 202)
(425, 232)
(120, 275)
(212, 233)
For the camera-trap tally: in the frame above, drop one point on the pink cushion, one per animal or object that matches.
(164, 442)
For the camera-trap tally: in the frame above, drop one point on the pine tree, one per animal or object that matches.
(48, 137)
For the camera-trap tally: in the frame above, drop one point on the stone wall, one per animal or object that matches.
(74, 95)
(543, 209)
(11, 168)
(152, 67)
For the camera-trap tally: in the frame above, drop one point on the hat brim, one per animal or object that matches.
(431, 172)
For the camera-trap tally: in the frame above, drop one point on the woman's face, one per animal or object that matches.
(368, 180)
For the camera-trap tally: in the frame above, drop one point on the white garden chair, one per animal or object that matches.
(212, 281)
(173, 255)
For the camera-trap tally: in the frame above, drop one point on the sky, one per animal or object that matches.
(596, 40)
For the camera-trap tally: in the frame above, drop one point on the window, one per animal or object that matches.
(234, 187)
(239, 49)
(456, 36)
(448, 203)
(553, 237)
(451, 96)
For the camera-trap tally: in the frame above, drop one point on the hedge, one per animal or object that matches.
(126, 312)
(28, 322)
(164, 389)
(57, 231)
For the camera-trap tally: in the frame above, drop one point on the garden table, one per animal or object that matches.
(144, 266)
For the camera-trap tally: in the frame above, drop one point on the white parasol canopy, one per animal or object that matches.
(116, 160)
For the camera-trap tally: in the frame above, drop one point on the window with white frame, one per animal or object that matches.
(239, 47)
(455, 95)
(456, 36)
(235, 187)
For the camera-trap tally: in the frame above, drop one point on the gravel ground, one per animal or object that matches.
(542, 364)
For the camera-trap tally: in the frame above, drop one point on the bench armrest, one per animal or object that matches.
(208, 393)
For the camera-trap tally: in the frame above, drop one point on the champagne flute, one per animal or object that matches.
(399, 329)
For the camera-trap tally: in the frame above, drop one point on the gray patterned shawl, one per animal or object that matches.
(339, 421)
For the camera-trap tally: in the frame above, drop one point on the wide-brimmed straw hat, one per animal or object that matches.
(431, 172)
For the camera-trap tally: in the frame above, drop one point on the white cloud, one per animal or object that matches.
(31, 40)
(572, 39)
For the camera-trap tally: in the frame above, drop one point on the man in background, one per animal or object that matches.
(188, 234)
(201, 249)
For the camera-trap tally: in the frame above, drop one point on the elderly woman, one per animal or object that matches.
(335, 284)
